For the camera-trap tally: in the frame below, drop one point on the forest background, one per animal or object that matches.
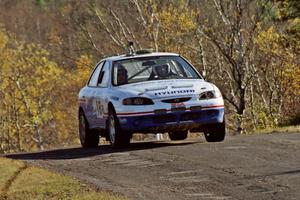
(249, 48)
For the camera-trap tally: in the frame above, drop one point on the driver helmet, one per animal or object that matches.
(162, 70)
(122, 75)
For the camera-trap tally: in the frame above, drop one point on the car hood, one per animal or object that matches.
(167, 88)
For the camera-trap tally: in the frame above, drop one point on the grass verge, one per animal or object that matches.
(19, 181)
(283, 129)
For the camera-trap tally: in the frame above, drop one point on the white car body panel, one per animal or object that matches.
(94, 101)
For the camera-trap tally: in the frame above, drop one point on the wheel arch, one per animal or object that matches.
(80, 110)
(110, 107)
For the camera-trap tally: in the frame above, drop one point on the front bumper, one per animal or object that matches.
(149, 122)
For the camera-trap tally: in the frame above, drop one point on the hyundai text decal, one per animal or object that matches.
(174, 92)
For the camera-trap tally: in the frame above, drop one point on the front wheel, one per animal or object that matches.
(116, 137)
(216, 133)
(178, 135)
(88, 138)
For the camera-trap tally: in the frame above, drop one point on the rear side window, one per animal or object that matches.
(94, 77)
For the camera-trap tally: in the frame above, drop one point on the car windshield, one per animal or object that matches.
(152, 68)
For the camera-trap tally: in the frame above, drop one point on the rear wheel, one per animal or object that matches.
(88, 138)
(178, 135)
(216, 133)
(117, 138)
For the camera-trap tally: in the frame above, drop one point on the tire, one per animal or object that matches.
(88, 138)
(178, 135)
(216, 133)
(116, 137)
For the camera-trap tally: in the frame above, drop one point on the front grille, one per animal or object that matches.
(176, 100)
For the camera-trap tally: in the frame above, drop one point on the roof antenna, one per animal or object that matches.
(130, 48)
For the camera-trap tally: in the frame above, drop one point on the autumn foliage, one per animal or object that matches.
(250, 49)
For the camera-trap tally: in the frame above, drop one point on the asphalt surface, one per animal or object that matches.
(241, 167)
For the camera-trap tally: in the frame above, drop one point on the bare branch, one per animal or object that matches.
(89, 37)
(98, 15)
(220, 9)
(141, 16)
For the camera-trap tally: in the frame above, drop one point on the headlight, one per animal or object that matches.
(210, 94)
(137, 101)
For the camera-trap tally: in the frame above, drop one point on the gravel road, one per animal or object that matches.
(241, 167)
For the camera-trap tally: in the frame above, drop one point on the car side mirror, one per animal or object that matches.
(203, 73)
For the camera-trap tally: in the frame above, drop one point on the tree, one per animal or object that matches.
(232, 36)
(280, 44)
(150, 24)
(28, 84)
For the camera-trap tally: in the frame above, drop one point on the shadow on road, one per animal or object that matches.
(78, 152)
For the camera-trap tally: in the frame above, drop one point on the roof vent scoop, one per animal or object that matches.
(131, 52)
(143, 51)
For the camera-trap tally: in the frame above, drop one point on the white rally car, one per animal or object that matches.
(146, 92)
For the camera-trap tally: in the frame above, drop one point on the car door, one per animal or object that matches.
(101, 96)
(89, 96)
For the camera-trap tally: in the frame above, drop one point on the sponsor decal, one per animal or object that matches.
(174, 92)
(156, 88)
(98, 108)
(182, 86)
(82, 101)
